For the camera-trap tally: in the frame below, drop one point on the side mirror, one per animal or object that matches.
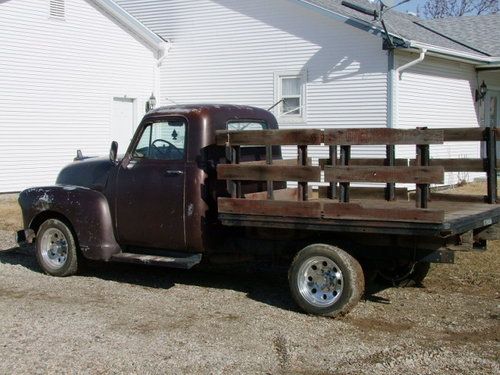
(113, 151)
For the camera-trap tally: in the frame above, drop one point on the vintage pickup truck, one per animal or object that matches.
(203, 185)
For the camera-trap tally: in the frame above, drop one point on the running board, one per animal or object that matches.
(184, 262)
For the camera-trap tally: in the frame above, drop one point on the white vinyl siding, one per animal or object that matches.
(229, 51)
(57, 84)
(438, 93)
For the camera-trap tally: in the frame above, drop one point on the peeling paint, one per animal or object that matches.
(44, 202)
(190, 209)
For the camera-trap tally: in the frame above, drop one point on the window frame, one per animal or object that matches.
(278, 96)
(145, 126)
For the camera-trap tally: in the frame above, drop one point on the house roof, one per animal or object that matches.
(473, 38)
(133, 25)
(410, 27)
(479, 32)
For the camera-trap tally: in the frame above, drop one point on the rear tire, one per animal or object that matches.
(406, 275)
(325, 280)
(56, 249)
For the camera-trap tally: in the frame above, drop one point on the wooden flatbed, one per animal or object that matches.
(341, 208)
(458, 218)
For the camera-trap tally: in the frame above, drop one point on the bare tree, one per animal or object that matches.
(457, 8)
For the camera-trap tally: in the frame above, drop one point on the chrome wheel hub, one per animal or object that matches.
(54, 248)
(320, 281)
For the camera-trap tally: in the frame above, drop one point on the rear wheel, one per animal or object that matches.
(56, 249)
(325, 280)
(406, 274)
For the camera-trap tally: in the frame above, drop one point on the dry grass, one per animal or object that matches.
(10, 213)
(471, 188)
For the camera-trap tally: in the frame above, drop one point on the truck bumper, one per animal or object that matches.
(25, 237)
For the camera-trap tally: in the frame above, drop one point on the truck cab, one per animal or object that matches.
(161, 194)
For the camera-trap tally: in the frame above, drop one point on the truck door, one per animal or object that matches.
(150, 188)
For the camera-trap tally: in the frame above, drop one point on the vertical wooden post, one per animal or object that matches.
(345, 155)
(422, 192)
(237, 159)
(303, 193)
(231, 184)
(269, 161)
(390, 189)
(491, 156)
(332, 189)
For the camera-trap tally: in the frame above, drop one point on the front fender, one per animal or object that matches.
(87, 210)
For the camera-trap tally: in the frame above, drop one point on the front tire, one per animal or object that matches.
(325, 280)
(56, 249)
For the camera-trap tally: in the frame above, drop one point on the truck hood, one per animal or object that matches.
(90, 173)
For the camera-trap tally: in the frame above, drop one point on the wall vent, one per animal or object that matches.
(57, 9)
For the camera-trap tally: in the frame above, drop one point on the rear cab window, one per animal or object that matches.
(242, 125)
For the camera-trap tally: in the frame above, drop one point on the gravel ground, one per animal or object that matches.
(139, 320)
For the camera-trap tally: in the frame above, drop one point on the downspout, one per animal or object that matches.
(163, 49)
(421, 58)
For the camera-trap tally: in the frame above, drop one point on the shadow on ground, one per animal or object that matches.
(269, 286)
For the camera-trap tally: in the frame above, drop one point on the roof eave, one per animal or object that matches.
(451, 54)
(135, 26)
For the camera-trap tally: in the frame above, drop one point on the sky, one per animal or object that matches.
(411, 6)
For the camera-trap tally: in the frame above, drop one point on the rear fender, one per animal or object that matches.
(86, 210)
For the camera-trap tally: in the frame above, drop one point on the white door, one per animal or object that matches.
(123, 122)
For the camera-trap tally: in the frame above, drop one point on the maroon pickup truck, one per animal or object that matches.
(202, 185)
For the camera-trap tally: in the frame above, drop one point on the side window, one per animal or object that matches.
(162, 141)
(290, 93)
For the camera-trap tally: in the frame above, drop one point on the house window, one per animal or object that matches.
(56, 9)
(290, 93)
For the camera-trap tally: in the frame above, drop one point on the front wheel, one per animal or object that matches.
(56, 249)
(325, 280)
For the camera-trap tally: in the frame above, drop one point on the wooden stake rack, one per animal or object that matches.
(340, 170)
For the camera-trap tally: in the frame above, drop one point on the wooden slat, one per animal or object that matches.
(290, 162)
(289, 194)
(457, 165)
(463, 134)
(367, 162)
(382, 136)
(420, 175)
(270, 208)
(270, 137)
(362, 192)
(357, 211)
(268, 173)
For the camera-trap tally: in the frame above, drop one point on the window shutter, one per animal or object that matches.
(57, 8)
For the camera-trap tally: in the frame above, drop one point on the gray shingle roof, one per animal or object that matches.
(480, 32)
(405, 25)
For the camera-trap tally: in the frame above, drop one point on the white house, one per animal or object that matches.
(326, 64)
(74, 74)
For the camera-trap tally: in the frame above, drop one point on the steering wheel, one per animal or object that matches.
(170, 145)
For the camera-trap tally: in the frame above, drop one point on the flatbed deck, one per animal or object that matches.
(459, 217)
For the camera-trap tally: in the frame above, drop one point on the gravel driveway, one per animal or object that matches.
(129, 319)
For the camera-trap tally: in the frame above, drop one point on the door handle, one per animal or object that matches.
(173, 173)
